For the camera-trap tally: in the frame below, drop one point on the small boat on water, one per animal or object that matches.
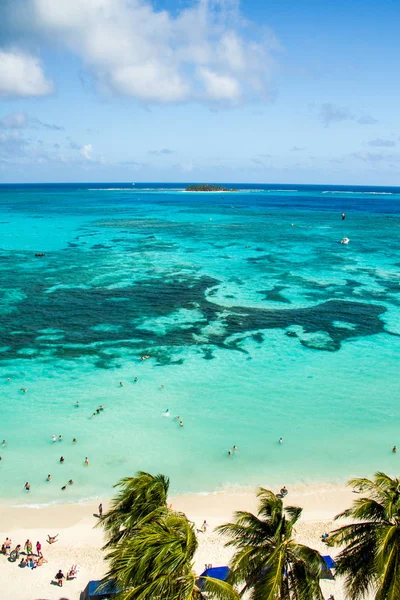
(344, 240)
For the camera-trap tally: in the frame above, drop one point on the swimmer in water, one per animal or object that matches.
(27, 487)
(86, 462)
(121, 384)
(98, 411)
(24, 390)
(101, 407)
(74, 441)
(62, 459)
(135, 379)
(180, 424)
(229, 453)
(4, 443)
(54, 438)
(70, 482)
(235, 448)
(166, 413)
(162, 387)
(177, 418)
(48, 478)
(343, 216)
(280, 440)
(60, 438)
(93, 415)
(77, 403)
(394, 449)
(64, 487)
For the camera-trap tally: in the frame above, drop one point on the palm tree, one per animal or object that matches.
(268, 561)
(157, 563)
(371, 559)
(140, 498)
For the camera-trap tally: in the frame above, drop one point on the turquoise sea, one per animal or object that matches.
(259, 324)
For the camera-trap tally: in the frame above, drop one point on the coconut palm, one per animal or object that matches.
(157, 563)
(270, 564)
(140, 498)
(370, 561)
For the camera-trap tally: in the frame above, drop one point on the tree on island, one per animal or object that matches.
(370, 560)
(151, 547)
(207, 187)
(268, 563)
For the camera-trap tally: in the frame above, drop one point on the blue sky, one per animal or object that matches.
(257, 91)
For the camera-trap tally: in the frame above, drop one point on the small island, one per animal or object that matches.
(206, 187)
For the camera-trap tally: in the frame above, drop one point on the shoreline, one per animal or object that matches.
(237, 490)
(318, 500)
(80, 542)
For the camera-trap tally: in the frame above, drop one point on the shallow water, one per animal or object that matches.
(259, 324)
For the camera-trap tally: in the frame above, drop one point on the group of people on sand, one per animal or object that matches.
(72, 574)
(29, 558)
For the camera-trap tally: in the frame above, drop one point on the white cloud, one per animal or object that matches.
(86, 151)
(219, 87)
(21, 120)
(22, 75)
(329, 113)
(382, 143)
(132, 49)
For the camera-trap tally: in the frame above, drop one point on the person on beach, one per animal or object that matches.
(28, 547)
(204, 527)
(27, 486)
(23, 563)
(100, 509)
(6, 546)
(38, 548)
(284, 491)
(32, 563)
(41, 560)
(394, 449)
(62, 459)
(52, 539)
(59, 578)
(86, 462)
(48, 478)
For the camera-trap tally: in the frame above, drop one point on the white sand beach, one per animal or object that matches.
(80, 543)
